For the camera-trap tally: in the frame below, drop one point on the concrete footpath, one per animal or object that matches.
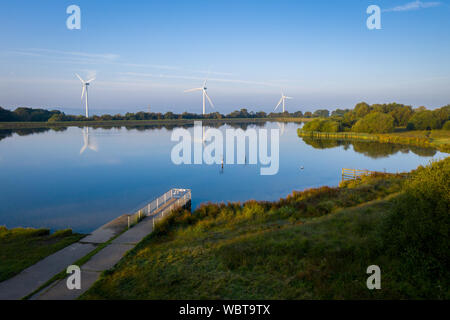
(34, 277)
(103, 260)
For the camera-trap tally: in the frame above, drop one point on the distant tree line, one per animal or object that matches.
(376, 118)
(381, 118)
(29, 114)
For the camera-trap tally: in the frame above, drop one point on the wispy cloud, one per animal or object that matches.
(44, 52)
(184, 77)
(84, 58)
(415, 5)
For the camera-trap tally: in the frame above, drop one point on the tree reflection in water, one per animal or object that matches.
(370, 149)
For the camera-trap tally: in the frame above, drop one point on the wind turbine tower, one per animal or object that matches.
(85, 91)
(282, 100)
(205, 95)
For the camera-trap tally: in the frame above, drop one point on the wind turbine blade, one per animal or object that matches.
(93, 147)
(79, 77)
(83, 149)
(209, 99)
(82, 92)
(204, 83)
(90, 80)
(288, 98)
(192, 90)
(279, 102)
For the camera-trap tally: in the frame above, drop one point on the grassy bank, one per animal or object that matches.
(439, 139)
(23, 125)
(21, 248)
(313, 244)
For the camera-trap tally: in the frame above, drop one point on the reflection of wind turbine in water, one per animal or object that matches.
(282, 127)
(205, 95)
(282, 100)
(202, 140)
(87, 142)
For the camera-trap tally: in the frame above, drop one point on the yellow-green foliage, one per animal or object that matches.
(375, 122)
(322, 125)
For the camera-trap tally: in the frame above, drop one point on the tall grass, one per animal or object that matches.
(22, 247)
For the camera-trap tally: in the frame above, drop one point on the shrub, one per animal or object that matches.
(322, 126)
(418, 228)
(312, 125)
(375, 122)
(446, 125)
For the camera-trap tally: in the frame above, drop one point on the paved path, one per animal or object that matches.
(35, 276)
(32, 278)
(104, 260)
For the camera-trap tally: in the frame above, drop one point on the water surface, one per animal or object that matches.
(46, 182)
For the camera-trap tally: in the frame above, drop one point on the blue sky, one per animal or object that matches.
(147, 52)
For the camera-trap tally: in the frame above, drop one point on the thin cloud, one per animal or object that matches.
(165, 76)
(100, 58)
(103, 56)
(415, 5)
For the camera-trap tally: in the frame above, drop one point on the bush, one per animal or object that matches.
(446, 125)
(375, 122)
(312, 125)
(418, 228)
(423, 120)
(322, 126)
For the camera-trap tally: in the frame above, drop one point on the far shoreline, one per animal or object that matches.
(109, 123)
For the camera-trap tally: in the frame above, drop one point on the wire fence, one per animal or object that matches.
(161, 206)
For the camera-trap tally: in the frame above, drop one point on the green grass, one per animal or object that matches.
(315, 244)
(21, 248)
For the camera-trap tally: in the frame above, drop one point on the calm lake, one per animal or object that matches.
(46, 182)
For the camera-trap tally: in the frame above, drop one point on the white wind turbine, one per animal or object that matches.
(85, 90)
(87, 142)
(282, 100)
(205, 95)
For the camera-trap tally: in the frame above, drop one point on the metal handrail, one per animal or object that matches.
(177, 198)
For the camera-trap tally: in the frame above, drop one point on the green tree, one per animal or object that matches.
(56, 117)
(322, 126)
(361, 109)
(401, 115)
(375, 122)
(446, 125)
(423, 120)
(6, 115)
(321, 113)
